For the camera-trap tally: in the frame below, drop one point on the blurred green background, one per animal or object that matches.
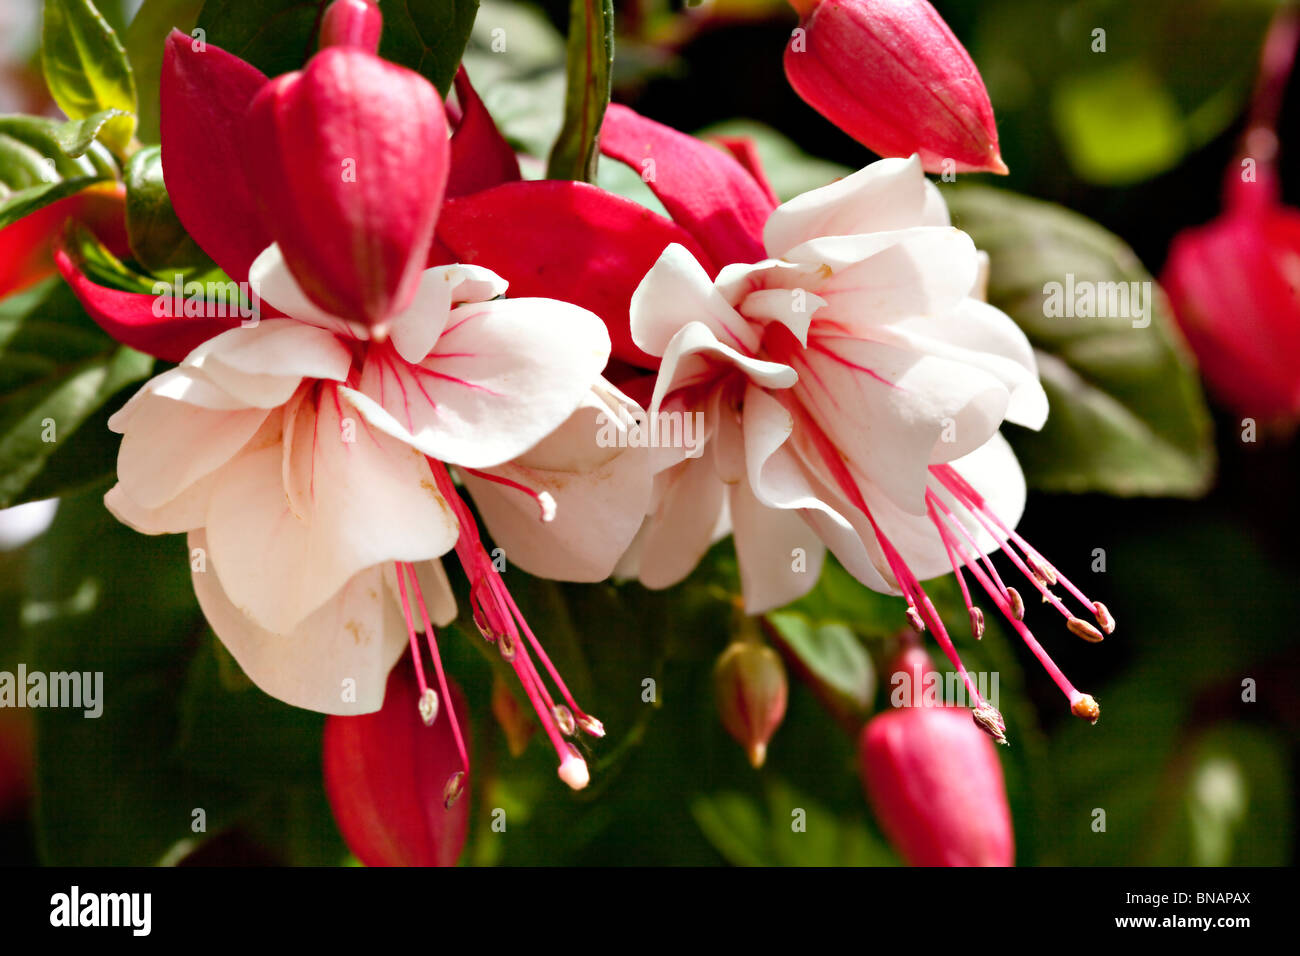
(1200, 563)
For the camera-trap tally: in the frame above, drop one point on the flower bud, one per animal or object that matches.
(892, 75)
(749, 680)
(934, 781)
(355, 23)
(347, 160)
(1234, 290)
(388, 777)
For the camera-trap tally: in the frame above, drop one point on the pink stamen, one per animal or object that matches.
(431, 640)
(545, 503)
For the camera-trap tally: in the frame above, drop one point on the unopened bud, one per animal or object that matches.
(750, 684)
(891, 74)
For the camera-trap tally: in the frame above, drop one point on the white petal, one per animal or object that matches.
(892, 412)
(695, 357)
(779, 554)
(336, 661)
(262, 365)
(980, 335)
(878, 278)
(889, 194)
(600, 492)
(270, 279)
(503, 375)
(416, 328)
(690, 498)
(359, 503)
(677, 291)
(169, 445)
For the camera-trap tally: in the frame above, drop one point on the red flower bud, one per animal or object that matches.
(348, 162)
(934, 781)
(892, 75)
(355, 23)
(1235, 288)
(389, 777)
(749, 679)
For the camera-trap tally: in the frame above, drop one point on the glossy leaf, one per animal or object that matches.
(56, 370)
(86, 68)
(278, 36)
(1127, 413)
(144, 40)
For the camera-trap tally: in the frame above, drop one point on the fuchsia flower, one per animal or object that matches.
(934, 781)
(891, 74)
(1235, 283)
(851, 383)
(309, 458)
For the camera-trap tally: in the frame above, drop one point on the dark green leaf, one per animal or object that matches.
(35, 169)
(590, 64)
(57, 368)
(102, 598)
(830, 658)
(158, 240)
(427, 36)
(277, 36)
(86, 68)
(1127, 413)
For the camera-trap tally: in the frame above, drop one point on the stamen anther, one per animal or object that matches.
(564, 720)
(914, 618)
(1017, 604)
(1086, 707)
(1081, 628)
(429, 706)
(506, 645)
(455, 787)
(592, 726)
(988, 719)
(1103, 617)
(977, 622)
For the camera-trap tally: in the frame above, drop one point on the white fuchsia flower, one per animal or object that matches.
(311, 464)
(852, 386)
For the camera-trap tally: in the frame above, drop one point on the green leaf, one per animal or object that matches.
(101, 266)
(57, 368)
(86, 68)
(1128, 416)
(589, 69)
(145, 40)
(157, 239)
(36, 169)
(75, 136)
(831, 659)
(428, 36)
(102, 598)
(278, 36)
(27, 201)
